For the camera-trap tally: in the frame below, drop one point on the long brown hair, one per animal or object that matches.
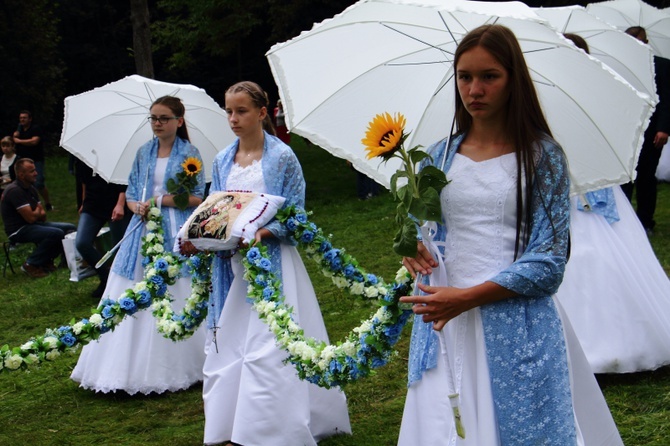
(259, 98)
(177, 107)
(525, 120)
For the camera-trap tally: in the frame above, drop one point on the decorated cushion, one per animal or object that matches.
(227, 217)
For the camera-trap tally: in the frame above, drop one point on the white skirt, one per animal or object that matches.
(616, 293)
(250, 396)
(135, 357)
(428, 420)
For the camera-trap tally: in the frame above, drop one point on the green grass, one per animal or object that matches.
(44, 407)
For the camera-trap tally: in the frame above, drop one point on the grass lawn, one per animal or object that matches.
(44, 407)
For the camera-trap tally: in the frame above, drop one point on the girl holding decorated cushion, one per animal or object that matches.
(250, 396)
(135, 357)
(493, 359)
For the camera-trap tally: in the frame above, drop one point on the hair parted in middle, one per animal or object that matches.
(259, 98)
(526, 122)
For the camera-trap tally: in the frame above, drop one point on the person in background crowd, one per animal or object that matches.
(655, 137)
(7, 173)
(30, 144)
(102, 203)
(280, 124)
(25, 221)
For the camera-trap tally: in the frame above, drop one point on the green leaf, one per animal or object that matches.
(172, 186)
(431, 176)
(404, 242)
(427, 207)
(181, 201)
(417, 155)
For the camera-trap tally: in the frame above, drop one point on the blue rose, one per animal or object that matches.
(157, 280)
(253, 254)
(64, 329)
(68, 339)
(161, 265)
(336, 264)
(195, 262)
(104, 328)
(162, 289)
(128, 305)
(358, 277)
(331, 254)
(260, 280)
(307, 236)
(349, 270)
(268, 292)
(325, 246)
(145, 261)
(265, 264)
(107, 312)
(144, 298)
(301, 217)
(378, 362)
(372, 279)
(291, 224)
(335, 366)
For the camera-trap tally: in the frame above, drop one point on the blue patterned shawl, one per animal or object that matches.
(283, 176)
(524, 338)
(602, 202)
(141, 176)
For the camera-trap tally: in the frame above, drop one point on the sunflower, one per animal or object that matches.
(385, 135)
(192, 166)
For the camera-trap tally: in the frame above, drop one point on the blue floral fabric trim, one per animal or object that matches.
(602, 202)
(524, 338)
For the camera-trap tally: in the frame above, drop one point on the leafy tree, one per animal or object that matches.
(32, 77)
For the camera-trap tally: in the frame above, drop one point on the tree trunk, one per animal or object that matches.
(139, 17)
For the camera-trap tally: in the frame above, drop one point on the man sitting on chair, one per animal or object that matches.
(25, 221)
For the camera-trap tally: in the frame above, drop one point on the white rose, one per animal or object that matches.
(50, 342)
(51, 355)
(77, 328)
(402, 276)
(27, 346)
(151, 226)
(140, 286)
(150, 273)
(154, 211)
(32, 359)
(328, 353)
(340, 282)
(382, 290)
(382, 314)
(159, 248)
(349, 348)
(13, 362)
(95, 319)
(357, 288)
(150, 236)
(173, 270)
(371, 291)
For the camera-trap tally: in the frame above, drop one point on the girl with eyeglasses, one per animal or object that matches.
(135, 357)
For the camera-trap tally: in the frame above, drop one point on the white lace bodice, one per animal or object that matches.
(249, 178)
(479, 209)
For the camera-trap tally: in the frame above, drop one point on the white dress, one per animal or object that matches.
(135, 357)
(476, 252)
(250, 396)
(615, 292)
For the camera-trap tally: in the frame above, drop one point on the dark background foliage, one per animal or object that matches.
(51, 50)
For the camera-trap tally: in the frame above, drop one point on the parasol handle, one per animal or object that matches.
(109, 253)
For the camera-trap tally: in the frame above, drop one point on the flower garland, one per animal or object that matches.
(367, 347)
(161, 269)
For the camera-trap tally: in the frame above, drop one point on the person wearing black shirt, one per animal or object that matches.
(102, 202)
(29, 144)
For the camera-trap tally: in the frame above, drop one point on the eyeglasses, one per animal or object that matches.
(162, 119)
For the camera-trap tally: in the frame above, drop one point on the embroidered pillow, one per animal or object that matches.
(227, 217)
